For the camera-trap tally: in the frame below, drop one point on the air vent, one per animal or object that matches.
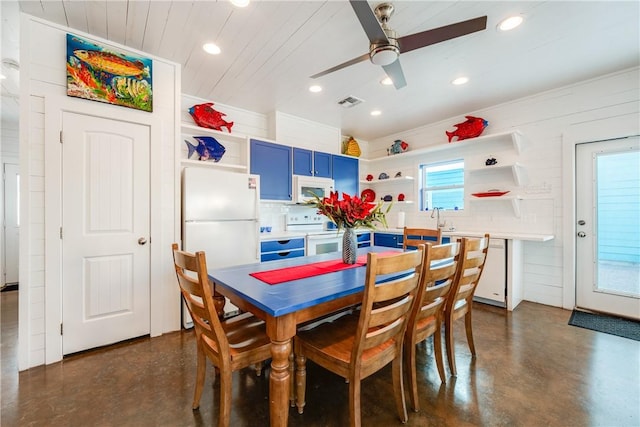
(350, 101)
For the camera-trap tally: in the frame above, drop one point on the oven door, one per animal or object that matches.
(324, 243)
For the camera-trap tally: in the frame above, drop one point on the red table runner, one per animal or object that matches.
(287, 274)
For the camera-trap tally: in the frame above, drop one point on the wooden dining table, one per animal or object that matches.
(284, 306)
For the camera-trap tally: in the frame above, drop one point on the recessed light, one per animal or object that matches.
(386, 81)
(376, 112)
(211, 48)
(315, 88)
(460, 81)
(510, 23)
(2, 77)
(240, 3)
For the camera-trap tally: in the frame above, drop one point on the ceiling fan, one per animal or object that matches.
(385, 46)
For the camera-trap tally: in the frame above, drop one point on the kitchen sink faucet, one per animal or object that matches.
(436, 212)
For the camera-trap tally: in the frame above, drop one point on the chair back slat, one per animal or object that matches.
(439, 272)
(193, 279)
(414, 237)
(473, 255)
(386, 304)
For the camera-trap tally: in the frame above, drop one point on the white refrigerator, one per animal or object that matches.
(220, 214)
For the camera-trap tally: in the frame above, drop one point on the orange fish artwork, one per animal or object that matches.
(110, 63)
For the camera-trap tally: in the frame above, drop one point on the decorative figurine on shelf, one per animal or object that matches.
(401, 197)
(208, 148)
(491, 161)
(207, 117)
(471, 128)
(369, 177)
(397, 147)
(350, 147)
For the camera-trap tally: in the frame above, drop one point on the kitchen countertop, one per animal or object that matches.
(284, 235)
(496, 235)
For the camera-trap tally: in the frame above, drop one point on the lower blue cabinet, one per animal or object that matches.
(272, 250)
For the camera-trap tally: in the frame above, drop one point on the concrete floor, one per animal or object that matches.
(532, 369)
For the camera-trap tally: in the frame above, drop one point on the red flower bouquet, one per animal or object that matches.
(351, 211)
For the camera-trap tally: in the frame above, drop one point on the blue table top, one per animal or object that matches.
(295, 295)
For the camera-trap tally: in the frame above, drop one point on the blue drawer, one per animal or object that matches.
(278, 245)
(282, 255)
(364, 244)
(364, 237)
(387, 239)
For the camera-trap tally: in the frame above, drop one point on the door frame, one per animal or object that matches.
(161, 320)
(615, 126)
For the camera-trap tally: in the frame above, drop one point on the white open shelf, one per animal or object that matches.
(516, 169)
(396, 180)
(236, 156)
(513, 138)
(513, 199)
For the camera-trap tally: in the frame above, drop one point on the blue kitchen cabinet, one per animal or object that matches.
(364, 240)
(345, 174)
(273, 163)
(311, 163)
(281, 249)
(389, 240)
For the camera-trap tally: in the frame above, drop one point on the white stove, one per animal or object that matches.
(319, 240)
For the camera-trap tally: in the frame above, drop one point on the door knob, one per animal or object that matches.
(582, 234)
(142, 241)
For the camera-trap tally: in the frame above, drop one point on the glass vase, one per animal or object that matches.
(349, 246)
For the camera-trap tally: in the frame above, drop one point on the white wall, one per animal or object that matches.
(543, 119)
(43, 99)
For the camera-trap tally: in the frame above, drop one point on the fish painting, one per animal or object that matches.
(471, 128)
(111, 63)
(208, 148)
(205, 116)
(102, 74)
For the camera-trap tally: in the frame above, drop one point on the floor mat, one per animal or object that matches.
(608, 324)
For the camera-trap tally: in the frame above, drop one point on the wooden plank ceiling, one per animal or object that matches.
(270, 48)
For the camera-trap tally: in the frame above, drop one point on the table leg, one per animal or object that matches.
(281, 331)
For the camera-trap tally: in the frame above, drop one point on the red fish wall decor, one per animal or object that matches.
(471, 128)
(205, 116)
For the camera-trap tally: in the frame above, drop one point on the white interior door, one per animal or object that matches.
(11, 225)
(608, 226)
(105, 227)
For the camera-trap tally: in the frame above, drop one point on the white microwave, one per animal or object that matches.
(306, 186)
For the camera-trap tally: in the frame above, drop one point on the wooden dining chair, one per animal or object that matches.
(412, 237)
(230, 345)
(439, 273)
(473, 255)
(358, 345)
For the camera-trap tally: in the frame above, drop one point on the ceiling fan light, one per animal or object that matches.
(510, 23)
(386, 81)
(384, 55)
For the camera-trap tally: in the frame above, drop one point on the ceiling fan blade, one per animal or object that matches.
(437, 35)
(369, 22)
(361, 58)
(394, 72)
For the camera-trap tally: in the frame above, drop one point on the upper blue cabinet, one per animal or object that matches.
(345, 174)
(311, 163)
(273, 163)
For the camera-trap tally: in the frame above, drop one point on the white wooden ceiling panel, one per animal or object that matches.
(116, 21)
(97, 18)
(76, 14)
(172, 40)
(156, 24)
(270, 48)
(137, 16)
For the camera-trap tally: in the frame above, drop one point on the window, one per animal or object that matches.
(442, 185)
